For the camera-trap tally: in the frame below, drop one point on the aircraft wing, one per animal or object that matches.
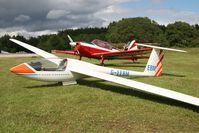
(63, 51)
(137, 85)
(38, 51)
(123, 52)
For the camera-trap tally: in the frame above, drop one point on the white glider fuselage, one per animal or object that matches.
(61, 73)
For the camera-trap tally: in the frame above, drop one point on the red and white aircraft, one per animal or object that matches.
(68, 71)
(104, 50)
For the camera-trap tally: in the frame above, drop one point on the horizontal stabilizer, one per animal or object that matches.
(163, 48)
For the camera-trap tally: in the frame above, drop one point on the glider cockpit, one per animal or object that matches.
(46, 65)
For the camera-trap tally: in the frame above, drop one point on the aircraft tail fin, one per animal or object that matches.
(154, 64)
(132, 45)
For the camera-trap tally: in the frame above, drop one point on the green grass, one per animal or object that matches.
(99, 106)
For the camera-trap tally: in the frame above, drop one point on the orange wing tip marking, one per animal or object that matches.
(22, 68)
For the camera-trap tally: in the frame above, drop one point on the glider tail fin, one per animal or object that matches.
(154, 64)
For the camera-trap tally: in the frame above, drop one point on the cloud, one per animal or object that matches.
(26, 34)
(51, 15)
(115, 13)
(159, 12)
(22, 18)
(57, 14)
(166, 16)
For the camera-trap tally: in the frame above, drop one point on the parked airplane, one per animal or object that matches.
(68, 71)
(104, 50)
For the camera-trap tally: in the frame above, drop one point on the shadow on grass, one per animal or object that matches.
(133, 62)
(132, 92)
(43, 86)
(99, 84)
(172, 75)
(123, 65)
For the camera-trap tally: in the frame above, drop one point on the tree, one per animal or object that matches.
(140, 29)
(56, 42)
(194, 42)
(197, 27)
(180, 34)
(4, 43)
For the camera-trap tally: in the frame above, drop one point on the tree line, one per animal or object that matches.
(141, 29)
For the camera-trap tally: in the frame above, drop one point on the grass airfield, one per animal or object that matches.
(99, 106)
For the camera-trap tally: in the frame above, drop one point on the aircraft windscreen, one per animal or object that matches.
(103, 44)
(43, 65)
(62, 65)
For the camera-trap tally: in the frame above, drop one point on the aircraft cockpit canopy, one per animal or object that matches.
(102, 44)
(46, 65)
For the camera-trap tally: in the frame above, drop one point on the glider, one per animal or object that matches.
(69, 70)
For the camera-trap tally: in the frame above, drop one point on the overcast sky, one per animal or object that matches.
(37, 17)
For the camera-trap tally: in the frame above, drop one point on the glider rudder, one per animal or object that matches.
(154, 64)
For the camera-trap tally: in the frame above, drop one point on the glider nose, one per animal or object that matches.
(22, 68)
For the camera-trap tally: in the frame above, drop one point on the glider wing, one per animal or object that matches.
(38, 51)
(137, 85)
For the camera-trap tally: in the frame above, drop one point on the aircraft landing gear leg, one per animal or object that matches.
(80, 57)
(102, 61)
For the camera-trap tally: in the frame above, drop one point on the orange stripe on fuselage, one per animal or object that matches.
(22, 68)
